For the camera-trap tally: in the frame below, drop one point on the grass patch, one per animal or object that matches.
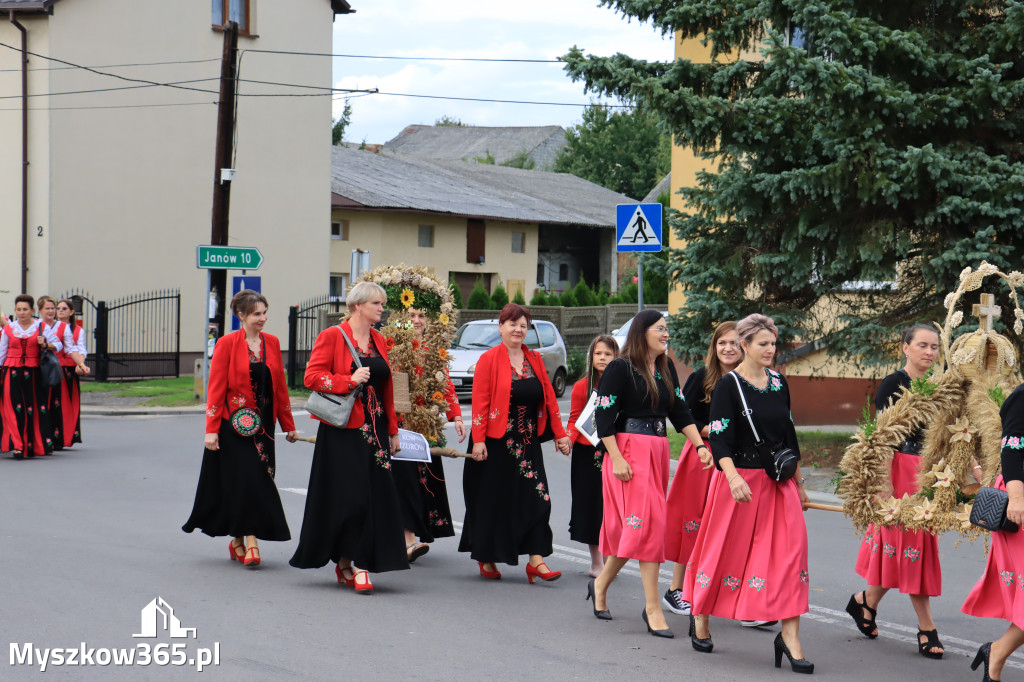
(817, 448)
(177, 392)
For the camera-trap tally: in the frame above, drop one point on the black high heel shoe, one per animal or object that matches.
(600, 615)
(984, 651)
(799, 665)
(666, 633)
(705, 646)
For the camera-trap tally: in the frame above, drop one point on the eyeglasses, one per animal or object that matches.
(657, 330)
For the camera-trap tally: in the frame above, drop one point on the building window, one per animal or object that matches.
(563, 272)
(339, 230)
(427, 236)
(337, 289)
(238, 11)
(540, 273)
(475, 241)
(518, 242)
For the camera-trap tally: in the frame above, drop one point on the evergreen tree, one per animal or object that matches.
(870, 148)
(584, 296)
(518, 298)
(568, 299)
(499, 297)
(479, 299)
(456, 292)
(539, 297)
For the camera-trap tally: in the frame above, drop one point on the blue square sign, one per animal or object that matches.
(638, 227)
(243, 282)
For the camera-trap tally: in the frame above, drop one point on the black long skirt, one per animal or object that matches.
(423, 498)
(587, 501)
(236, 494)
(25, 413)
(352, 506)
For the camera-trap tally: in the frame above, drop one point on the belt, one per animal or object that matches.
(747, 460)
(651, 426)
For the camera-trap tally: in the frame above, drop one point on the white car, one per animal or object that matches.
(474, 338)
(620, 334)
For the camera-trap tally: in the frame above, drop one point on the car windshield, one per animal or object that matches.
(477, 336)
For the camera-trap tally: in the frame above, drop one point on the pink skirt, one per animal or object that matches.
(999, 593)
(686, 498)
(750, 559)
(894, 557)
(633, 524)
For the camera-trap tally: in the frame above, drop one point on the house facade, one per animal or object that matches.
(121, 154)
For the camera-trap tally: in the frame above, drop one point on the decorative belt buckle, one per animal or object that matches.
(659, 427)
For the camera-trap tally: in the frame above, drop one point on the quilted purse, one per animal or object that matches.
(333, 408)
(989, 510)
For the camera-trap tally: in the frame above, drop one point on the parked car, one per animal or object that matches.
(620, 334)
(473, 338)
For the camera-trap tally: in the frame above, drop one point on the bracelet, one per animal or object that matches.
(977, 466)
(800, 482)
(701, 446)
(729, 481)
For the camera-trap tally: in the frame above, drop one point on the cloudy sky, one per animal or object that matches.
(529, 29)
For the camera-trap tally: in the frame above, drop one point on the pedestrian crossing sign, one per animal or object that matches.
(638, 227)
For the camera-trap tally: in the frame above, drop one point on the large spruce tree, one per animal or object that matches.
(870, 142)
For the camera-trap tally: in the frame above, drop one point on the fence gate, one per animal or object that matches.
(134, 337)
(305, 322)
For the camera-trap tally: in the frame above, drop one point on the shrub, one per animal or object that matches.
(499, 297)
(479, 299)
(456, 293)
(583, 294)
(518, 298)
(539, 297)
(568, 299)
(576, 363)
(629, 294)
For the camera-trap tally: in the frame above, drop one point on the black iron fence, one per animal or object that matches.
(133, 337)
(305, 321)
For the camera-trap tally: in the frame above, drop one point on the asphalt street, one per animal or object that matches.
(92, 536)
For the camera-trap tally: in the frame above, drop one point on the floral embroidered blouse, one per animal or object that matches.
(623, 394)
(729, 432)
(1012, 454)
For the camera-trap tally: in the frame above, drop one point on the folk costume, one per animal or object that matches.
(57, 398)
(508, 503)
(999, 593)
(352, 506)
(236, 494)
(689, 490)
(23, 403)
(749, 561)
(633, 524)
(70, 388)
(894, 557)
(585, 474)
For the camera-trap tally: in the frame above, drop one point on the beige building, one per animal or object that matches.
(121, 164)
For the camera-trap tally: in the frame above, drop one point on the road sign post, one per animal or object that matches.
(638, 230)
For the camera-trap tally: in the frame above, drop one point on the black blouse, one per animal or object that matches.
(890, 388)
(1012, 454)
(693, 390)
(729, 431)
(623, 394)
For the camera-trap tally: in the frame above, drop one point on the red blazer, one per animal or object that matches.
(231, 389)
(492, 389)
(330, 371)
(576, 405)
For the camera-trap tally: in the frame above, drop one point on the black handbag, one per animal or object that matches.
(49, 368)
(780, 463)
(989, 510)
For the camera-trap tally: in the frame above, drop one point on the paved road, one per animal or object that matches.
(89, 538)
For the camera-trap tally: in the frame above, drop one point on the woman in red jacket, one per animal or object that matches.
(247, 394)
(352, 515)
(508, 505)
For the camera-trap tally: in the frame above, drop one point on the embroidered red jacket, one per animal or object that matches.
(330, 371)
(231, 389)
(577, 403)
(492, 389)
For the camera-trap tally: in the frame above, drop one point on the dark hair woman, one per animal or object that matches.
(508, 503)
(26, 427)
(998, 593)
(749, 561)
(72, 361)
(689, 488)
(236, 494)
(585, 469)
(638, 391)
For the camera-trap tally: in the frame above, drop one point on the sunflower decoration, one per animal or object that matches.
(425, 359)
(958, 411)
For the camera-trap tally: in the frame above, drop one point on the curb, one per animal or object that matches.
(138, 411)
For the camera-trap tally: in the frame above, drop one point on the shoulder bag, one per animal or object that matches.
(782, 462)
(49, 366)
(333, 408)
(989, 510)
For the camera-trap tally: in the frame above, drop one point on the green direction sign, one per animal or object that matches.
(228, 257)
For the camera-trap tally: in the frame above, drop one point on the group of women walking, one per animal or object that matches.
(39, 411)
(731, 522)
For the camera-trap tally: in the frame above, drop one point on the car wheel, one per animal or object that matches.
(558, 383)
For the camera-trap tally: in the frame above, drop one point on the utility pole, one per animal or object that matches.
(225, 142)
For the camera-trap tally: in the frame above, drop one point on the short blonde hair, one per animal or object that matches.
(364, 292)
(752, 324)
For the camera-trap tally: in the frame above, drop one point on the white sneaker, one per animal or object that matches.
(673, 601)
(757, 623)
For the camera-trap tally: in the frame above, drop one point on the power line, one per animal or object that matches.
(115, 66)
(125, 87)
(504, 101)
(422, 59)
(112, 106)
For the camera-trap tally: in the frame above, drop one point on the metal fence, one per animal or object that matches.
(305, 322)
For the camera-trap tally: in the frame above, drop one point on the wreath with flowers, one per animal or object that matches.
(424, 359)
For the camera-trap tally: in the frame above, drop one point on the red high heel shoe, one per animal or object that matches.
(340, 572)
(535, 572)
(254, 560)
(237, 551)
(364, 587)
(493, 575)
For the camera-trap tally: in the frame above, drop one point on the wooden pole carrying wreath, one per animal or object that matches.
(958, 410)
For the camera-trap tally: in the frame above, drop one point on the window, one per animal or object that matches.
(518, 242)
(540, 273)
(547, 334)
(339, 230)
(238, 11)
(475, 241)
(563, 272)
(337, 289)
(427, 236)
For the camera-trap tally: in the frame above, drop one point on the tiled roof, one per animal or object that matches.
(399, 182)
(26, 5)
(466, 143)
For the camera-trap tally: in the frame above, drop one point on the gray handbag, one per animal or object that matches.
(334, 408)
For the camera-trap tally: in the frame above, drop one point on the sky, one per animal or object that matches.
(529, 29)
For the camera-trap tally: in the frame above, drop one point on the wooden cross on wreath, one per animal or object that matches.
(986, 311)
